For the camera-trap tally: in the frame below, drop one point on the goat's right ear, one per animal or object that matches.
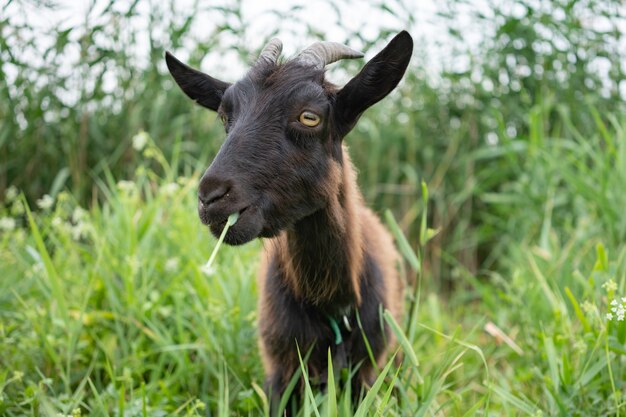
(204, 89)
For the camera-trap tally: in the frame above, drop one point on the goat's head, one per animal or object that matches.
(284, 127)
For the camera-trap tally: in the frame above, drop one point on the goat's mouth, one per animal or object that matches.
(246, 228)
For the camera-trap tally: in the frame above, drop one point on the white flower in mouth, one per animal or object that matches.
(207, 269)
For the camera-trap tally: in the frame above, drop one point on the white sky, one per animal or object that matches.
(263, 20)
(364, 17)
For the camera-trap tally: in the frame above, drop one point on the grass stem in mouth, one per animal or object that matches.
(232, 219)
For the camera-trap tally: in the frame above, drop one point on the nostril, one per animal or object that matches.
(209, 195)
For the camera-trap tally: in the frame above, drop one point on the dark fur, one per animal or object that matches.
(326, 255)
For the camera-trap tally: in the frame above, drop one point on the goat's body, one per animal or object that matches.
(329, 263)
(338, 261)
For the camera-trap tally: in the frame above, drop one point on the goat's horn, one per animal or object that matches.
(271, 51)
(321, 54)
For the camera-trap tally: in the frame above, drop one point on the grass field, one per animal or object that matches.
(111, 311)
(515, 250)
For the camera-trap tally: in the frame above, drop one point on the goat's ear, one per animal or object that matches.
(377, 79)
(204, 89)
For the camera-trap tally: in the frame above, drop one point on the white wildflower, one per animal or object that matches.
(45, 202)
(169, 189)
(59, 224)
(617, 310)
(7, 224)
(126, 186)
(610, 285)
(11, 193)
(78, 214)
(140, 140)
(588, 307)
(171, 265)
(80, 230)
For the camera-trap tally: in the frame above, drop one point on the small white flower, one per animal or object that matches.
(45, 202)
(588, 307)
(169, 189)
(617, 309)
(59, 224)
(140, 140)
(78, 214)
(80, 230)
(171, 265)
(610, 285)
(7, 224)
(11, 193)
(127, 186)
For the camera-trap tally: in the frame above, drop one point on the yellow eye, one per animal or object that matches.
(224, 119)
(309, 119)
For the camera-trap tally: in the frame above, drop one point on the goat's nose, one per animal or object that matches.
(212, 189)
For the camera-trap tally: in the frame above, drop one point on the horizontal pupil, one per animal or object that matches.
(310, 116)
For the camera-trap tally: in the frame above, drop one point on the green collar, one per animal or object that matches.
(335, 326)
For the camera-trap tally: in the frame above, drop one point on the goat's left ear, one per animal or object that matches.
(204, 89)
(377, 79)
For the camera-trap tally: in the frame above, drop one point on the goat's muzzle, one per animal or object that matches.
(219, 198)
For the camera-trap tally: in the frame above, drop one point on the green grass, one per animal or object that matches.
(112, 311)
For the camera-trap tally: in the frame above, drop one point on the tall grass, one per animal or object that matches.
(504, 176)
(111, 311)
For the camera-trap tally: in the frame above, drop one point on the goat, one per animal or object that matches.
(328, 262)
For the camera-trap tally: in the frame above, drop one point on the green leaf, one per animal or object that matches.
(403, 243)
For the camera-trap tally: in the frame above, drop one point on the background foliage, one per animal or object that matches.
(517, 130)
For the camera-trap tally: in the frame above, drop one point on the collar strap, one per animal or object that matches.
(335, 326)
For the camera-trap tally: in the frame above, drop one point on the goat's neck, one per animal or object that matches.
(323, 253)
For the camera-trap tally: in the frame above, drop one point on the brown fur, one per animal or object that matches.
(328, 260)
(331, 281)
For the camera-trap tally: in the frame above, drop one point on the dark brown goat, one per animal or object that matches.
(328, 261)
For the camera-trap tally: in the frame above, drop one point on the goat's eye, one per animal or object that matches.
(224, 119)
(309, 119)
